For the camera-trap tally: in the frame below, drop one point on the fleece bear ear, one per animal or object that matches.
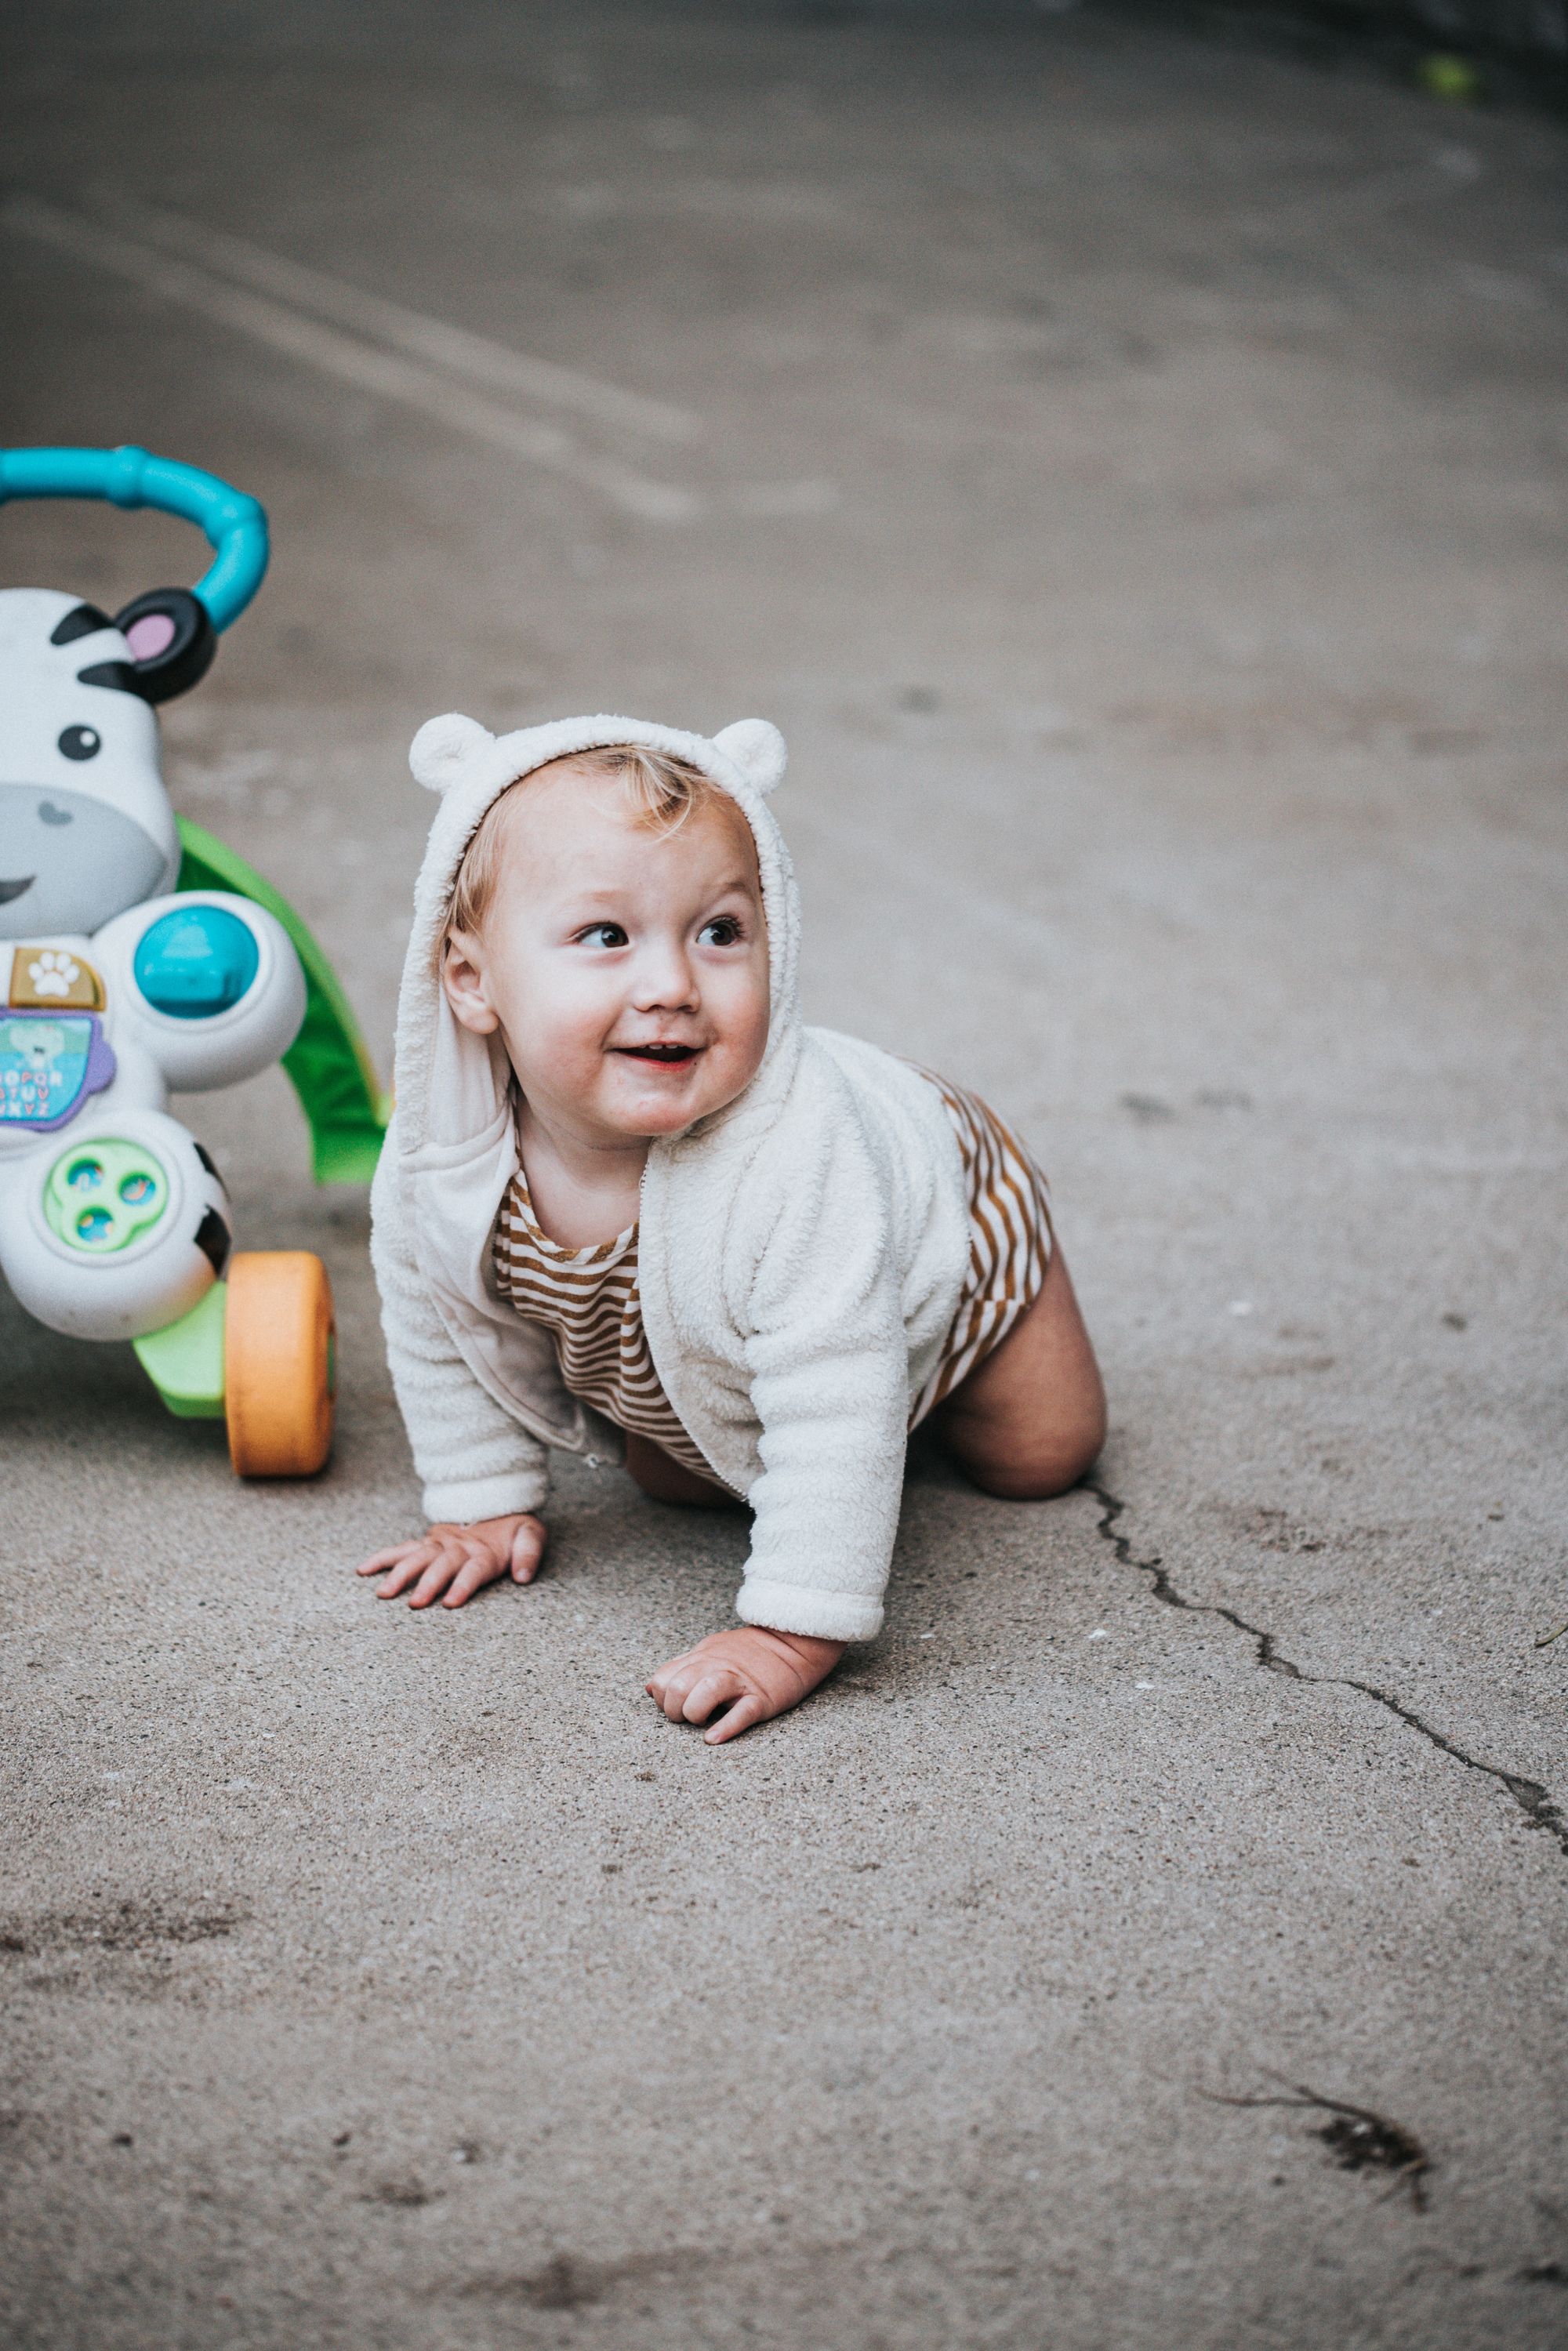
(443, 748)
(757, 750)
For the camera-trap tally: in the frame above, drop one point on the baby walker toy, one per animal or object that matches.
(137, 954)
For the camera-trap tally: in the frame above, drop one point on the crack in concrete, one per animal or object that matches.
(1533, 1800)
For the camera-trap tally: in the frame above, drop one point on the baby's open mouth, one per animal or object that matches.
(666, 1053)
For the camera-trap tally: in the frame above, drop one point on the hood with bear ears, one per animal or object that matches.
(449, 1083)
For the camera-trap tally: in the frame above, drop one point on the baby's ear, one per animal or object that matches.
(443, 748)
(757, 750)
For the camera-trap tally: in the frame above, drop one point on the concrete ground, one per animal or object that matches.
(1132, 471)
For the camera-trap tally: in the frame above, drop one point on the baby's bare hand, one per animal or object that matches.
(458, 1561)
(751, 1674)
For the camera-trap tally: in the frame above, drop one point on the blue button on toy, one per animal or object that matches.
(196, 961)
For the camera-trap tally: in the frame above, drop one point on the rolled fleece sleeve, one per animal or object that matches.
(475, 1461)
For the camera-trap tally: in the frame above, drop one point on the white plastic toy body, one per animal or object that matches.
(116, 986)
(113, 1219)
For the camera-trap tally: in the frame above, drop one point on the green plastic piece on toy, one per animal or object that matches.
(184, 1361)
(99, 1196)
(331, 1070)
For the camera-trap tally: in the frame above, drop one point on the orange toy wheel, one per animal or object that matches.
(280, 1372)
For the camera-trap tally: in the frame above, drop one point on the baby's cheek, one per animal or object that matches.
(750, 1025)
(567, 1022)
(559, 1054)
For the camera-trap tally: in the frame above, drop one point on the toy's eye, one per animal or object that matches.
(49, 814)
(80, 743)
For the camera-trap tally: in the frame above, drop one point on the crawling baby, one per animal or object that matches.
(629, 1205)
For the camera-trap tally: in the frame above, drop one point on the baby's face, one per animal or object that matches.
(626, 969)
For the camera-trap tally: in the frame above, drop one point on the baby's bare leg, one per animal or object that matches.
(667, 1480)
(1029, 1421)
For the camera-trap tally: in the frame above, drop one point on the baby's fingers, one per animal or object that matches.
(528, 1550)
(680, 1672)
(715, 1687)
(749, 1708)
(393, 1556)
(408, 1570)
(669, 1686)
(479, 1568)
(438, 1573)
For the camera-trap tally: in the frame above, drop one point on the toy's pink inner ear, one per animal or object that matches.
(152, 634)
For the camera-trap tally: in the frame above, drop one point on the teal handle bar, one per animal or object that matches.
(234, 524)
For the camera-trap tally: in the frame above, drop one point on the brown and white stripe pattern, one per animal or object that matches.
(1010, 1241)
(588, 1300)
(588, 1297)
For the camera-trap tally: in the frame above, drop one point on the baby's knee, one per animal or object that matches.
(1015, 1481)
(1033, 1469)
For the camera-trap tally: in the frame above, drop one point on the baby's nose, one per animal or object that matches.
(663, 979)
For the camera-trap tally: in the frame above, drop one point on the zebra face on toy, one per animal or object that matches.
(86, 826)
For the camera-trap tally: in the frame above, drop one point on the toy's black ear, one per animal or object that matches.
(172, 640)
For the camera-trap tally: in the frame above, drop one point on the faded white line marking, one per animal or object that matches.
(337, 354)
(452, 349)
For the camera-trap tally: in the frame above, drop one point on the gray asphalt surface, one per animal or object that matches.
(1131, 472)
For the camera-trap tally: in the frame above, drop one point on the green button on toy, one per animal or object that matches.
(101, 1195)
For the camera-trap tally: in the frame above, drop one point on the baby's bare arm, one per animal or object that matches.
(457, 1561)
(751, 1673)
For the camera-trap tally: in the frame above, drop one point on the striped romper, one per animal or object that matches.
(588, 1297)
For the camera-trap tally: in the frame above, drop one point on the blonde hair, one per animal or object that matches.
(661, 787)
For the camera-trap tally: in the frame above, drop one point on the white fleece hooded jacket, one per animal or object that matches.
(801, 1252)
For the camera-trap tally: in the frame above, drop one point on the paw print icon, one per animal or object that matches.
(47, 978)
(54, 971)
